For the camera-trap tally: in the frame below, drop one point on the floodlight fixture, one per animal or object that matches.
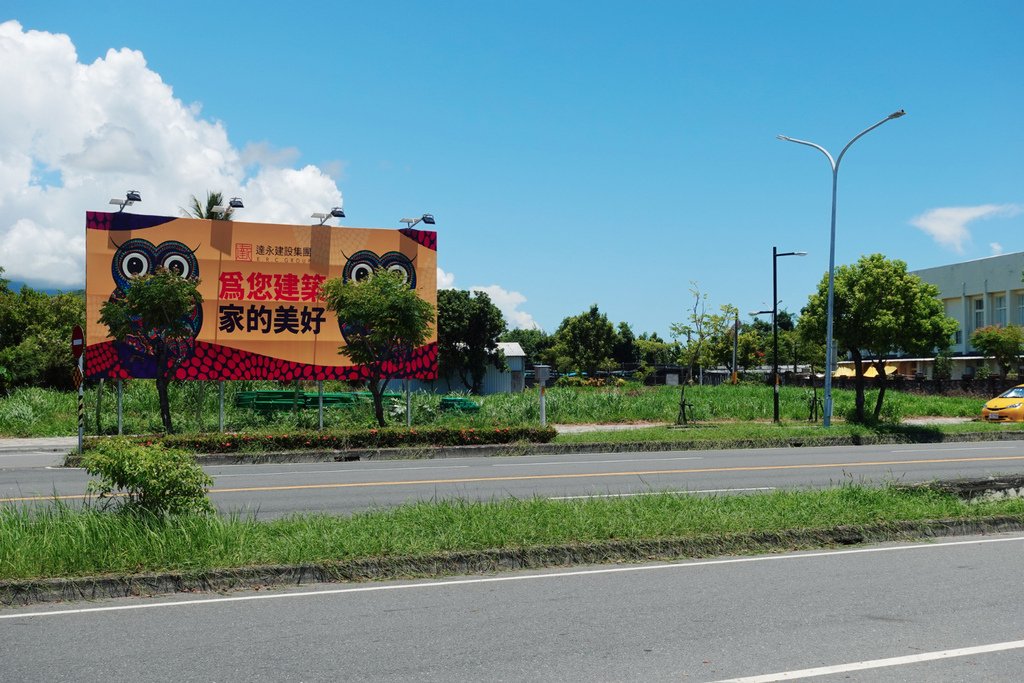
(130, 197)
(233, 203)
(336, 212)
(427, 219)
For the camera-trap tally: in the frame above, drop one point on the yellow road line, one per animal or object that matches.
(528, 477)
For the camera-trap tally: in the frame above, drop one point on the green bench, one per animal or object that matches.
(267, 400)
(459, 404)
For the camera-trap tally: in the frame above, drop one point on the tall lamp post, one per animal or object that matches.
(834, 163)
(775, 322)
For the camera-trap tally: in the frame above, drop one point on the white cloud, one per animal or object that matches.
(445, 280)
(74, 135)
(948, 225)
(996, 248)
(509, 303)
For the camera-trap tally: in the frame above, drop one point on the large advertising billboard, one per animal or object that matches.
(261, 317)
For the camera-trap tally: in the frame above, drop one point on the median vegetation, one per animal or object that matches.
(423, 538)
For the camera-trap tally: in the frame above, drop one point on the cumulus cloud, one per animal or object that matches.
(445, 280)
(507, 302)
(74, 135)
(948, 225)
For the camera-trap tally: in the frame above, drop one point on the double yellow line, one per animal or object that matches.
(586, 475)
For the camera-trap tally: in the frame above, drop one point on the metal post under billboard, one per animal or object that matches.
(408, 405)
(540, 373)
(320, 404)
(120, 404)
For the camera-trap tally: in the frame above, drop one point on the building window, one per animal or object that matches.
(979, 313)
(958, 338)
(999, 314)
(1020, 309)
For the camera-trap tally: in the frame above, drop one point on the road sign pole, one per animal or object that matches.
(81, 402)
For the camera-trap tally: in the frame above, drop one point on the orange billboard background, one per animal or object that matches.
(261, 316)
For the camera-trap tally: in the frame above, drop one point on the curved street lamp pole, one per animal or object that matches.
(834, 163)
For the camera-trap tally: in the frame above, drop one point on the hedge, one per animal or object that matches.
(367, 438)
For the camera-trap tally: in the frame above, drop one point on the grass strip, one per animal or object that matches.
(60, 541)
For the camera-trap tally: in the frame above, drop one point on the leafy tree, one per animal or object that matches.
(35, 334)
(468, 329)
(624, 350)
(199, 209)
(385, 321)
(1004, 344)
(880, 309)
(536, 343)
(153, 315)
(695, 352)
(584, 342)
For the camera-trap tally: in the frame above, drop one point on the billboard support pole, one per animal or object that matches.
(120, 404)
(220, 420)
(408, 405)
(320, 403)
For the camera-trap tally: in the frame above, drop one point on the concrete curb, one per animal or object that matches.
(495, 450)
(447, 564)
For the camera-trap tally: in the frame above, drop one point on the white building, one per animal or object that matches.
(496, 381)
(985, 291)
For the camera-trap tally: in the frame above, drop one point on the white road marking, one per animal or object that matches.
(965, 448)
(340, 470)
(877, 663)
(655, 493)
(502, 579)
(593, 462)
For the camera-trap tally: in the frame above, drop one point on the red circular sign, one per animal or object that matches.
(77, 341)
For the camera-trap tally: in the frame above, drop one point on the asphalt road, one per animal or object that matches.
(943, 611)
(276, 490)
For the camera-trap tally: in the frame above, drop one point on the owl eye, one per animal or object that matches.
(361, 272)
(361, 266)
(135, 264)
(398, 262)
(398, 268)
(178, 265)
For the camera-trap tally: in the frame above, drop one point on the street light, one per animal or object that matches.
(428, 219)
(130, 197)
(224, 210)
(834, 163)
(336, 212)
(775, 323)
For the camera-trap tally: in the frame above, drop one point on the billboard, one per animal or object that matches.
(261, 316)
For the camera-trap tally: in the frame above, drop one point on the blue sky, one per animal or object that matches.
(572, 152)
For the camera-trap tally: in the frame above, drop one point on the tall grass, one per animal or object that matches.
(40, 412)
(60, 541)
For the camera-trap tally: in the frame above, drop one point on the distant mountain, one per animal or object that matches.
(16, 285)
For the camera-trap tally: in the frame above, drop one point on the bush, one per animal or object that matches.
(150, 477)
(369, 438)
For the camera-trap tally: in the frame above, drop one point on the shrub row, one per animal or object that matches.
(368, 438)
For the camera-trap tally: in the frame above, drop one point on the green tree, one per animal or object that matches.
(584, 342)
(1004, 344)
(35, 334)
(155, 309)
(386, 321)
(536, 343)
(468, 329)
(200, 209)
(624, 350)
(695, 352)
(880, 309)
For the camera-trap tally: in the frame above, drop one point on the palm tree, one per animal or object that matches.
(198, 209)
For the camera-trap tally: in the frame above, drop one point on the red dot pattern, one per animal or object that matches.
(216, 362)
(428, 238)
